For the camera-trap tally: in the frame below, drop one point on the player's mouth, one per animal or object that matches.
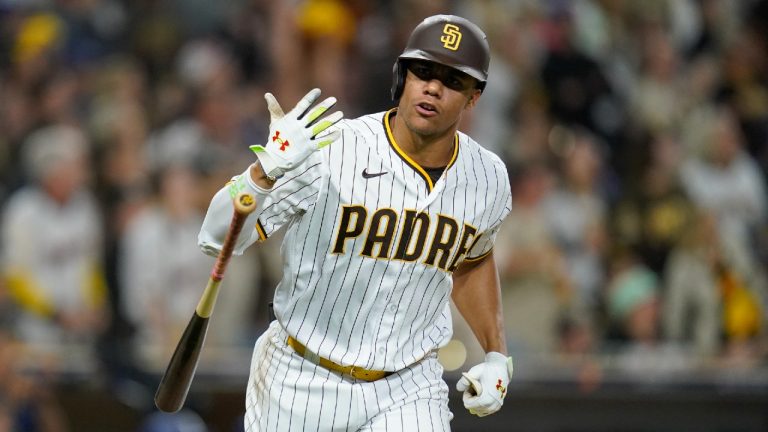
(426, 109)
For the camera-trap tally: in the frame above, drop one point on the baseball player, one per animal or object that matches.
(382, 227)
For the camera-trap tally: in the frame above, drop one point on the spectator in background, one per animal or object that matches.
(119, 125)
(724, 179)
(711, 298)
(576, 214)
(744, 87)
(531, 140)
(161, 270)
(692, 298)
(632, 300)
(30, 44)
(657, 102)
(579, 92)
(17, 118)
(535, 284)
(312, 39)
(513, 73)
(51, 235)
(654, 210)
(327, 30)
(207, 138)
(35, 47)
(27, 403)
(208, 134)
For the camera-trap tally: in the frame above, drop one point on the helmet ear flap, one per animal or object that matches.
(398, 79)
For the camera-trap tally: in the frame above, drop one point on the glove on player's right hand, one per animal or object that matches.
(294, 136)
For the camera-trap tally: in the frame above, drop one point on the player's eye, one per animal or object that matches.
(451, 78)
(455, 83)
(422, 71)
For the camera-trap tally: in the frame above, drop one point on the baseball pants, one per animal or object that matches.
(287, 392)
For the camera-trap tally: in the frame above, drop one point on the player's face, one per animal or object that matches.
(434, 97)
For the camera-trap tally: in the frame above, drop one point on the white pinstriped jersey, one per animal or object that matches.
(371, 242)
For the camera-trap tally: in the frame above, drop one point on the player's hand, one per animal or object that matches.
(485, 385)
(295, 135)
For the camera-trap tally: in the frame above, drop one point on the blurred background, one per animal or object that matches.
(633, 264)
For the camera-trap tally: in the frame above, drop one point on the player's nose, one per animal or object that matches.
(433, 87)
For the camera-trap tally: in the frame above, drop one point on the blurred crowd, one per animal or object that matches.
(635, 134)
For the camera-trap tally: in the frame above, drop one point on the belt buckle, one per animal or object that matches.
(352, 372)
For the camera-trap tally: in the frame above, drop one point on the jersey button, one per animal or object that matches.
(393, 308)
(382, 350)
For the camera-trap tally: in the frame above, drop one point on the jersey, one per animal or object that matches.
(371, 242)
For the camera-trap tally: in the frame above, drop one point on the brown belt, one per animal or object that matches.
(355, 372)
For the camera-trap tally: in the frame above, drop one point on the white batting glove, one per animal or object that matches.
(485, 385)
(294, 136)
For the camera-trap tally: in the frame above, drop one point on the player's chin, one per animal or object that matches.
(425, 131)
(425, 125)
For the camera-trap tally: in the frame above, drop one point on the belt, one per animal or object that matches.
(355, 372)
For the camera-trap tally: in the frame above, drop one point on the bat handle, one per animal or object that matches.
(244, 204)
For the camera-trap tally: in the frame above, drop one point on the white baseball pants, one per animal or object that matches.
(287, 392)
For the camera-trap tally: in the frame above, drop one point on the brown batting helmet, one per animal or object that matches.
(449, 40)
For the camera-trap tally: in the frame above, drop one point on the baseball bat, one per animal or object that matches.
(174, 386)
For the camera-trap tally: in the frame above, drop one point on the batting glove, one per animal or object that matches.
(485, 385)
(294, 136)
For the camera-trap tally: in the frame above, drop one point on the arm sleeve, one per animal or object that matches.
(288, 198)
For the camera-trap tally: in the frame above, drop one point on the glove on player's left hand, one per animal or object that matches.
(294, 136)
(485, 385)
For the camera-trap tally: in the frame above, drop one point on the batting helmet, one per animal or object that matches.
(449, 40)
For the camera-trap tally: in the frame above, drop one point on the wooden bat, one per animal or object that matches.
(174, 386)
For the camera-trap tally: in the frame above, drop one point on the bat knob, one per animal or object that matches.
(245, 203)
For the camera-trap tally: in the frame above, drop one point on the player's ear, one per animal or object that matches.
(473, 98)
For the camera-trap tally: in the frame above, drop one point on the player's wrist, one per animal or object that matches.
(245, 183)
(501, 360)
(269, 168)
(496, 357)
(259, 179)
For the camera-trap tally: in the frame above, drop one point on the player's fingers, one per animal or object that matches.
(326, 123)
(301, 108)
(475, 409)
(275, 110)
(481, 405)
(327, 139)
(256, 148)
(319, 110)
(471, 401)
(477, 412)
(462, 384)
(474, 384)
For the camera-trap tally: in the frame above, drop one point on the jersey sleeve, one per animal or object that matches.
(483, 244)
(290, 196)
